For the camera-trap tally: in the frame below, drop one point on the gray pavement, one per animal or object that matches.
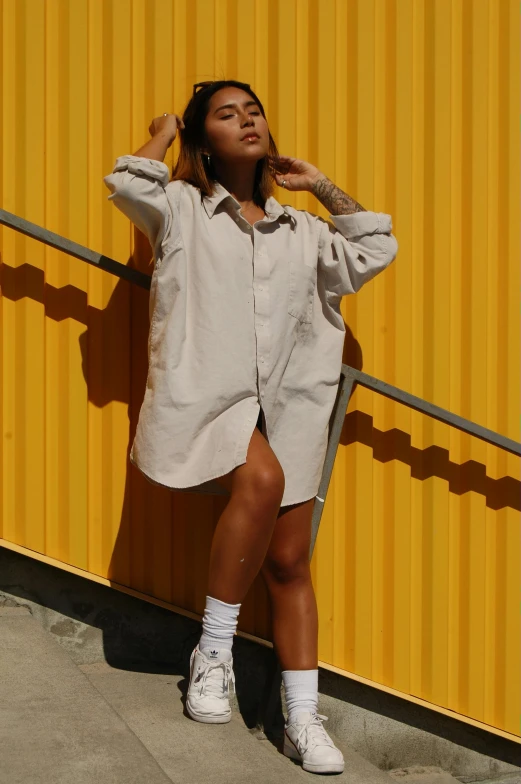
(63, 723)
(95, 624)
(55, 727)
(152, 705)
(67, 720)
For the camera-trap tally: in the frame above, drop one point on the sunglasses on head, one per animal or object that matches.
(202, 85)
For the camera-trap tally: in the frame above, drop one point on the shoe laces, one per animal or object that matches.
(212, 680)
(313, 733)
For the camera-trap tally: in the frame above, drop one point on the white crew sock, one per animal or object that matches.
(301, 691)
(219, 624)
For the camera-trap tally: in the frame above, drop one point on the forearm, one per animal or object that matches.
(333, 198)
(156, 147)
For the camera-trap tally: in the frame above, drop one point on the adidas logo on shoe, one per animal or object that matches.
(213, 654)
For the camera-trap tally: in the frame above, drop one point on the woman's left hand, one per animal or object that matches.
(298, 175)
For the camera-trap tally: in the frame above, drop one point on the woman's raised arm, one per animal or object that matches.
(163, 131)
(137, 182)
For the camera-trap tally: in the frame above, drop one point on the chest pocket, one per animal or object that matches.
(302, 284)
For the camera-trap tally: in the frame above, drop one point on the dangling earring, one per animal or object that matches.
(208, 159)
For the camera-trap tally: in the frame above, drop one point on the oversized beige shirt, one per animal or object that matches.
(241, 317)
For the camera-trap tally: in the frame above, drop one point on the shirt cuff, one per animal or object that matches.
(357, 224)
(144, 166)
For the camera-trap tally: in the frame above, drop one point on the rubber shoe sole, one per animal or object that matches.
(205, 719)
(291, 751)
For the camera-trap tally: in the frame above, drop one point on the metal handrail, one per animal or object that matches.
(348, 377)
(435, 412)
(74, 249)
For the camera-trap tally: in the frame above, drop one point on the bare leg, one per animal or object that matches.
(287, 574)
(244, 530)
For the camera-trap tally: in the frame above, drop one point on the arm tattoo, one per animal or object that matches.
(333, 198)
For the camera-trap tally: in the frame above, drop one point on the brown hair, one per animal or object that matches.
(192, 166)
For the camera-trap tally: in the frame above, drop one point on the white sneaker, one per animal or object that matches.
(307, 741)
(211, 674)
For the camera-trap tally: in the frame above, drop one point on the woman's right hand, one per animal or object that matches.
(166, 125)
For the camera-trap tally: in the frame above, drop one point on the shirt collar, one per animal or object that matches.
(272, 207)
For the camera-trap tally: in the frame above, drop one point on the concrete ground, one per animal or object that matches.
(62, 723)
(92, 685)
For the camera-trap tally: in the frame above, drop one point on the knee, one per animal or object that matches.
(286, 567)
(266, 486)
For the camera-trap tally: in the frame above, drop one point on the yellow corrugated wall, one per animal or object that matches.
(412, 107)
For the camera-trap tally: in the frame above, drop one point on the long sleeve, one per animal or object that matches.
(354, 249)
(137, 187)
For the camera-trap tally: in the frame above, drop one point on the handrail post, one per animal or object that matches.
(271, 709)
(336, 422)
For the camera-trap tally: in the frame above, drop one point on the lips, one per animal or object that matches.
(250, 136)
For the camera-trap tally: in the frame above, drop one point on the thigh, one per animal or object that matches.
(260, 460)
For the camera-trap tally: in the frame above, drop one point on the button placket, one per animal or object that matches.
(261, 307)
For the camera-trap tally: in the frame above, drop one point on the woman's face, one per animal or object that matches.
(226, 127)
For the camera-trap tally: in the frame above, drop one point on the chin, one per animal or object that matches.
(258, 156)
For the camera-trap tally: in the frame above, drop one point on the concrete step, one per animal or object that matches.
(422, 774)
(55, 727)
(94, 623)
(152, 705)
(61, 723)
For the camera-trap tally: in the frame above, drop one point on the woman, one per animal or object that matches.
(245, 312)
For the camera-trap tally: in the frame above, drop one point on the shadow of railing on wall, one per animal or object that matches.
(349, 377)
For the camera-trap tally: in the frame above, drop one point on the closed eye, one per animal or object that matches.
(231, 115)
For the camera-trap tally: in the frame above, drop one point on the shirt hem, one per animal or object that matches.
(241, 453)
(183, 487)
(240, 459)
(209, 479)
(299, 501)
